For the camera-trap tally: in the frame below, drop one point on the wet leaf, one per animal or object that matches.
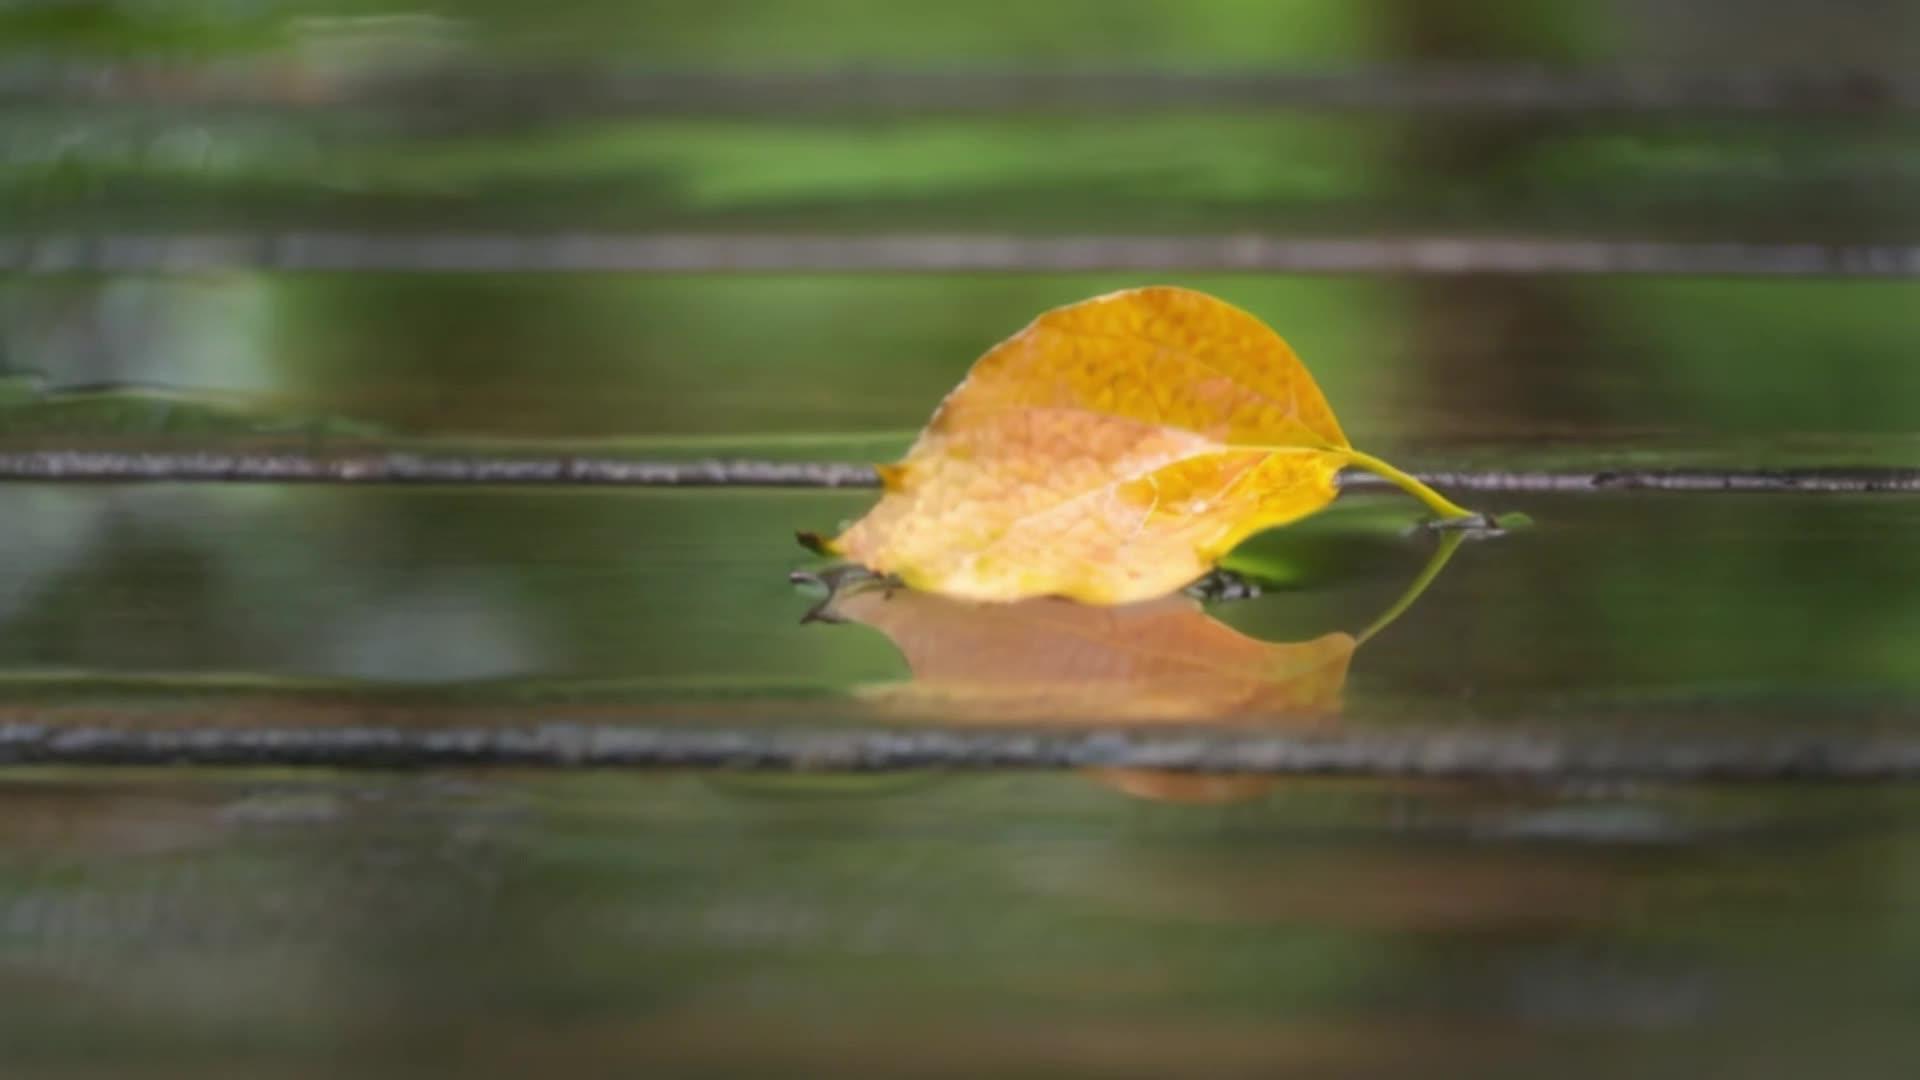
(1112, 451)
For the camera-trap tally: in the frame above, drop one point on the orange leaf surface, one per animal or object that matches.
(1110, 452)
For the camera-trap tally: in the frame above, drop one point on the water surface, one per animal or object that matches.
(1658, 610)
(246, 924)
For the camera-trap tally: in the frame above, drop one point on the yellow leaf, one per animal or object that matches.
(1110, 452)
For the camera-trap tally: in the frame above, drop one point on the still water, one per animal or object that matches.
(1787, 607)
(245, 923)
(259, 924)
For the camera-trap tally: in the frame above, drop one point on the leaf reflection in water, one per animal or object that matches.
(1056, 661)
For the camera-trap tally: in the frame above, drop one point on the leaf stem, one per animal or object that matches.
(1435, 563)
(1410, 484)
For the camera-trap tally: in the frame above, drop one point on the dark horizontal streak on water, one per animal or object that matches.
(569, 92)
(410, 468)
(587, 252)
(1454, 754)
(1774, 481)
(415, 468)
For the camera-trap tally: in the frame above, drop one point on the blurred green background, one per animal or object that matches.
(267, 924)
(140, 119)
(781, 118)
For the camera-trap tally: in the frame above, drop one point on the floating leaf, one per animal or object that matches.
(1110, 452)
(1055, 660)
